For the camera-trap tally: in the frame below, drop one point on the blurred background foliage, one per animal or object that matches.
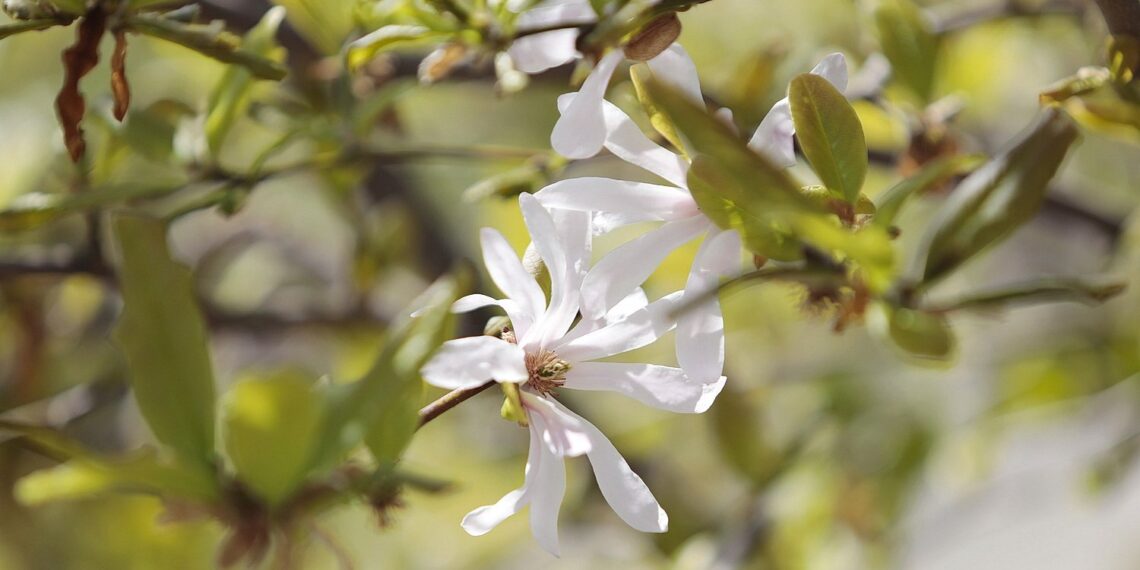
(825, 451)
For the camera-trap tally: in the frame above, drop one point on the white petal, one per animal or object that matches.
(658, 386)
(833, 68)
(606, 222)
(623, 489)
(639, 329)
(472, 303)
(483, 519)
(629, 265)
(508, 273)
(674, 66)
(562, 432)
(564, 279)
(700, 329)
(537, 53)
(635, 301)
(625, 139)
(594, 194)
(469, 362)
(581, 131)
(773, 138)
(577, 229)
(546, 489)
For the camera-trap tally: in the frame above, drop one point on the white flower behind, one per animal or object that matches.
(543, 353)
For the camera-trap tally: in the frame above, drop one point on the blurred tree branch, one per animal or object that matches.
(1121, 16)
(953, 21)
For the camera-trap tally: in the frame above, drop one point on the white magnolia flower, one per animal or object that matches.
(700, 329)
(543, 353)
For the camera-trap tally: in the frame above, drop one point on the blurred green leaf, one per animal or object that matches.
(163, 335)
(33, 210)
(830, 134)
(150, 132)
(931, 176)
(325, 23)
(1087, 291)
(910, 44)
(997, 198)
(20, 27)
(231, 96)
(1105, 111)
(642, 78)
(739, 430)
(363, 50)
(211, 41)
(145, 473)
(926, 336)
(1086, 80)
(140, 4)
(270, 429)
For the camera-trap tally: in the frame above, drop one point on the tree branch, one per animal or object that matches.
(1122, 16)
(450, 400)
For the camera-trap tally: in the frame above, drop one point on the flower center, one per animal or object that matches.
(547, 371)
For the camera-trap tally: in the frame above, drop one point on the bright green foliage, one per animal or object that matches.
(270, 431)
(163, 335)
(998, 198)
(911, 46)
(830, 134)
(231, 96)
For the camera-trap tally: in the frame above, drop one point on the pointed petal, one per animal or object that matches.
(484, 519)
(472, 303)
(662, 387)
(509, 275)
(537, 53)
(564, 284)
(562, 432)
(641, 328)
(594, 194)
(581, 131)
(833, 68)
(546, 489)
(628, 266)
(773, 138)
(623, 489)
(674, 66)
(700, 329)
(469, 362)
(625, 139)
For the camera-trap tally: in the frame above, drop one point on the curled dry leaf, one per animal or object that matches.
(119, 84)
(78, 61)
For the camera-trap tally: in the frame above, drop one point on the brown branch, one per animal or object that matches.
(1121, 16)
(450, 400)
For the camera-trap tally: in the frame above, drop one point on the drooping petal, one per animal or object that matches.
(546, 489)
(625, 139)
(662, 387)
(484, 519)
(700, 329)
(564, 283)
(773, 138)
(623, 489)
(509, 275)
(833, 68)
(674, 66)
(539, 52)
(469, 362)
(581, 131)
(639, 329)
(595, 194)
(629, 265)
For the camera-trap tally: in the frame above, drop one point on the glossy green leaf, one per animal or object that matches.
(363, 50)
(163, 336)
(830, 134)
(926, 336)
(270, 429)
(910, 44)
(997, 198)
(231, 96)
(211, 41)
(891, 201)
(87, 477)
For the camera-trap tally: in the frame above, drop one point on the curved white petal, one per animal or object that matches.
(520, 321)
(639, 329)
(773, 138)
(484, 519)
(623, 489)
(561, 431)
(606, 222)
(545, 490)
(509, 275)
(632, 303)
(833, 68)
(537, 53)
(595, 194)
(629, 265)
(472, 303)
(469, 362)
(625, 139)
(662, 387)
(577, 229)
(674, 66)
(581, 131)
(700, 329)
(564, 279)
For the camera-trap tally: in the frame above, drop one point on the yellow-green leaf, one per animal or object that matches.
(363, 50)
(830, 134)
(910, 44)
(926, 336)
(86, 477)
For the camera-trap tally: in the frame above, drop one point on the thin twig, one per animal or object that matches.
(450, 400)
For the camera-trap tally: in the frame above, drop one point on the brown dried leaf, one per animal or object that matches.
(78, 61)
(119, 84)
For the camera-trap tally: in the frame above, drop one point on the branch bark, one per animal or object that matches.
(1121, 16)
(450, 400)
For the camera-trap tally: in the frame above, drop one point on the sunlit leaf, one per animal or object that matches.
(909, 43)
(88, 477)
(997, 198)
(363, 50)
(270, 429)
(642, 78)
(830, 134)
(163, 336)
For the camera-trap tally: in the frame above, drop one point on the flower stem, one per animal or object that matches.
(450, 400)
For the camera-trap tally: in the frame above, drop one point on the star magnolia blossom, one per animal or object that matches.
(543, 353)
(700, 329)
(581, 131)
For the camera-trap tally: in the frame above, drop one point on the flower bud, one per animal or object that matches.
(654, 38)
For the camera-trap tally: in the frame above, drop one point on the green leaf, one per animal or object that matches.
(997, 198)
(211, 41)
(30, 211)
(163, 335)
(1086, 80)
(910, 44)
(88, 477)
(1078, 290)
(231, 96)
(270, 428)
(739, 430)
(150, 132)
(325, 23)
(363, 50)
(642, 77)
(926, 336)
(890, 203)
(20, 27)
(830, 134)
